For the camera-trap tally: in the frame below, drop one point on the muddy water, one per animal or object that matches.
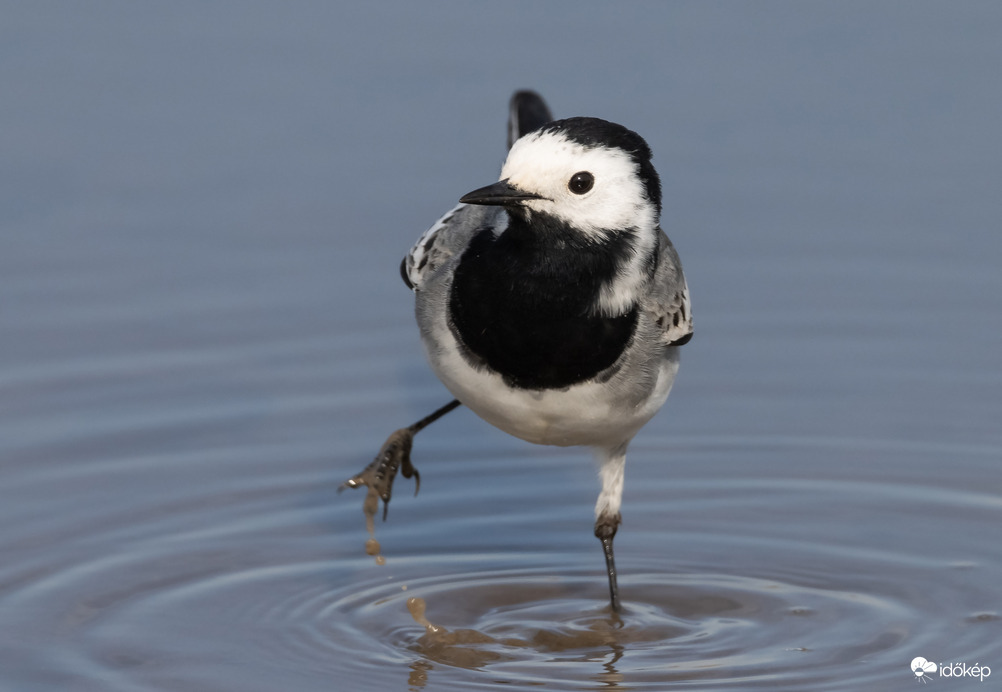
(204, 335)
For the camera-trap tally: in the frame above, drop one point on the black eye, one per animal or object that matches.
(581, 182)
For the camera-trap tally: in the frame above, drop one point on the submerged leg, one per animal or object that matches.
(395, 455)
(612, 464)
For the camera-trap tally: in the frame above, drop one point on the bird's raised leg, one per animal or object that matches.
(395, 455)
(612, 464)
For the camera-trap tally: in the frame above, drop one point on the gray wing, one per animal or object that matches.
(668, 300)
(447, 238)
(450, 235)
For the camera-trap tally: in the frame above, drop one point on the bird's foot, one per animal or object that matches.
(378, 476)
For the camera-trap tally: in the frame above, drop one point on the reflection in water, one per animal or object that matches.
(682, 628)
(418, 677)
(522, 625)
(611, 678)
(471, 649)
(463, 648)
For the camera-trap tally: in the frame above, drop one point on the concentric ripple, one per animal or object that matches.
(754, 582)
(693, 627)
(238, 565)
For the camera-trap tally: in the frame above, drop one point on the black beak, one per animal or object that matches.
(500, 193)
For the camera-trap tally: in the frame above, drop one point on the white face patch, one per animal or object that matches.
(543, 163)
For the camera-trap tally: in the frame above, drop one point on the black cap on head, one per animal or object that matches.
(592, 132)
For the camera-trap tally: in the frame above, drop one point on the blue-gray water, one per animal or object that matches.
(203, 332)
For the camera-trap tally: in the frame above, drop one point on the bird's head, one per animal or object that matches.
(592, 175)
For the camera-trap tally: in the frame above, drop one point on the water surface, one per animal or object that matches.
(203, 334)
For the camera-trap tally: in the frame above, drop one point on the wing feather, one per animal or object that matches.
(668, 302)
(450, 235)
(447, 238)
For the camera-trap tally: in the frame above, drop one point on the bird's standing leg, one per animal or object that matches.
(605, 531)
(395, 455)
(612, 464)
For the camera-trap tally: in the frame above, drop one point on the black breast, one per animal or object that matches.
(520, 303)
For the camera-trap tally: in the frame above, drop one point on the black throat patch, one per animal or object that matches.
(520, 303)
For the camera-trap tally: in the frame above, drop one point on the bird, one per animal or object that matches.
(551, 303)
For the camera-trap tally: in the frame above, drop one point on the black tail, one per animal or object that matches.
(527, 111)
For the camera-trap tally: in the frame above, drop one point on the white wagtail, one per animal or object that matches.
(551, 303)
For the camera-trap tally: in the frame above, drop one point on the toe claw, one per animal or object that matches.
(378, 476)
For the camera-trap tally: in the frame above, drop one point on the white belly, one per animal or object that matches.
(597, 414)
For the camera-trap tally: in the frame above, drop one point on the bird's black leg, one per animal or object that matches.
(605, 531)
(394, 456)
